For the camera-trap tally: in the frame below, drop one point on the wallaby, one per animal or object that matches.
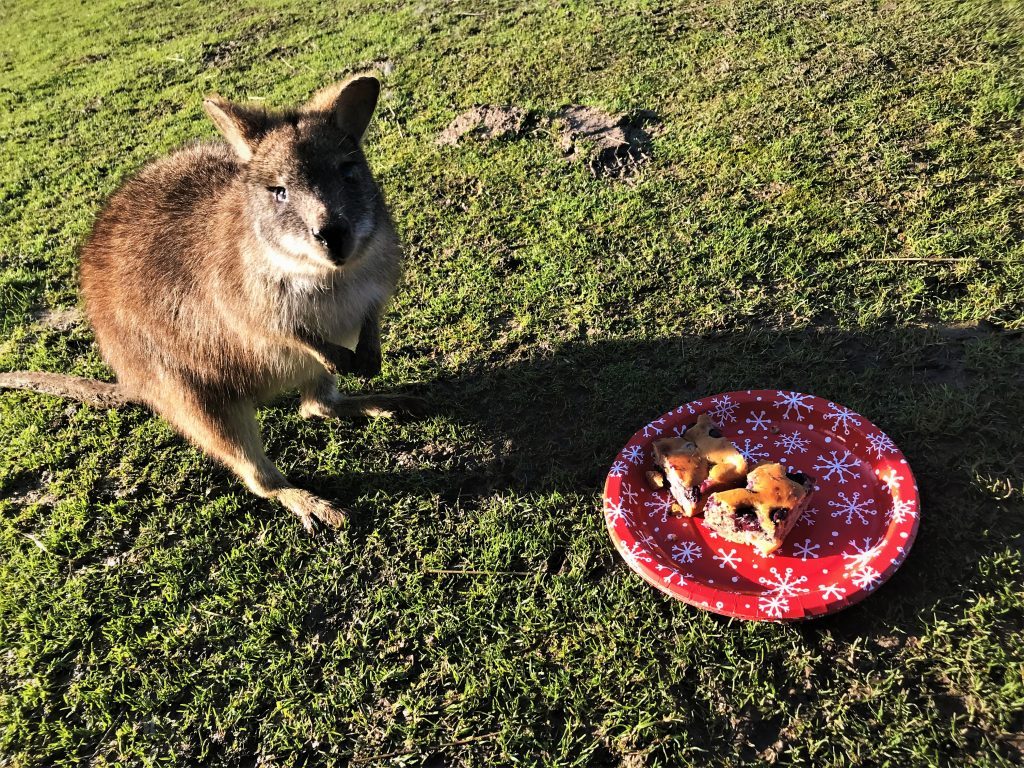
(228, 272)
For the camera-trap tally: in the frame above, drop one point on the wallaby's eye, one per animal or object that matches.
(280, 193)
(349, 171)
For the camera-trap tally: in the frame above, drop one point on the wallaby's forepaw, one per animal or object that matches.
(366, 361)
(312, 509)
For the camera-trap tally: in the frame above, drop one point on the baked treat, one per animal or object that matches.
(762, 513)
(702, 460)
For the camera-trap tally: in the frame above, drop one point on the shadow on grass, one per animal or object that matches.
(555, 421)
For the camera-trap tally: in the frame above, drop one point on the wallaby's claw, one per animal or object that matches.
(387, 406)
(312, 510)
(414, 405)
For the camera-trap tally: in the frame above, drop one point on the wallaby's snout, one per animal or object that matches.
(336, 237)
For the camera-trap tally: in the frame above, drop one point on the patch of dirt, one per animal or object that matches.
(92, 58)
(27, 490)
(634, 760)
(384, 66)
(1013, 744)
(982, 329)
(945, 360)
(771, 191)
(219, 54)
(487, 122)
(755, 735)
(610, 145)
(58, 319)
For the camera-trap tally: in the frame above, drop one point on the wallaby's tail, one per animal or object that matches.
(89, 391)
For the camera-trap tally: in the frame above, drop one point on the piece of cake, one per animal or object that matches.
(702, 460)
(764, 512)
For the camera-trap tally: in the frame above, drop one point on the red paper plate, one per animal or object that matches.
(857, 531)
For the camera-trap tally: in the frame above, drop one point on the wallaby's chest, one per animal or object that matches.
(338, 313)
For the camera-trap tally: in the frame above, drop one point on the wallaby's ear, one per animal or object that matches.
(351, 102)
(242, 126)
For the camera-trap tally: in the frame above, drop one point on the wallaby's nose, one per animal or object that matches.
(336, 236)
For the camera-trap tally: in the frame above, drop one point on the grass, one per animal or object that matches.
(152, 612)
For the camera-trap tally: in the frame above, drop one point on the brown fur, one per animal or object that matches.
(210, 291)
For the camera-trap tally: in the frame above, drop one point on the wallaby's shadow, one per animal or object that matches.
(555, 420)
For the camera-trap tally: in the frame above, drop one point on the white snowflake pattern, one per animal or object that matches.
(725, 409)
(634, 454)
(635, 553)
(647, 540)
(900, 557)
(619, 468)
(853, 507)
(728, 559)
(881, 443)
(687, 552)
(809, 516)
(891, 479)
(831, 591)
(841, 466)
(783, 583)
(792, 442)
(751, 452)
(659, 505)
(679, 431)
(773, 605)
(866, 578)
(862, 554)
(689, 407)
(671, 573)
(759, 421)
(793, 401)
(806, 550)
(844, 418)
(901, 510)
(679, 577)
(614, 512)
(628, 493)
(655, 427)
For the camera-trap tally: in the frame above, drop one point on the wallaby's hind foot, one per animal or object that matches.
(374, 406)
(323, 401)
(229, 432)
(310, 508)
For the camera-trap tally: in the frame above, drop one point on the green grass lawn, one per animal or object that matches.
(153, 612)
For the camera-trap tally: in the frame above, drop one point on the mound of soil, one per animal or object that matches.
(488, 122)
(610, 145)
